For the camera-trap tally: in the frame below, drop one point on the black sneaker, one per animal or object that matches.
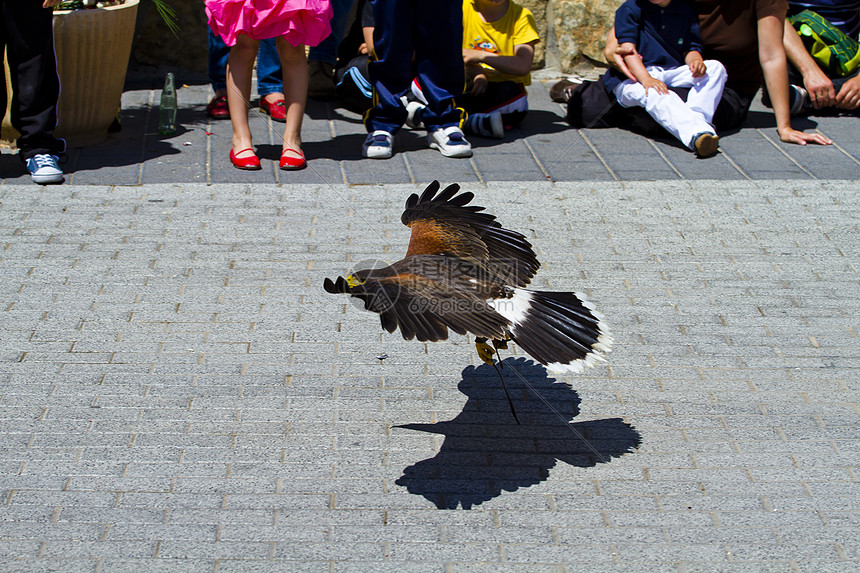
(560, 91)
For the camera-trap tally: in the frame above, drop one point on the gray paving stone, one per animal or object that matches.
(159, 565)
(50, 564)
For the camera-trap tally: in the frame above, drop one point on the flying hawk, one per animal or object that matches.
(463, 271)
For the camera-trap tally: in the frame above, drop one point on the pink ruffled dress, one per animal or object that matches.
(301, 21)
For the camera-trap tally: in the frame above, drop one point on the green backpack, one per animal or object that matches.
(836, 54)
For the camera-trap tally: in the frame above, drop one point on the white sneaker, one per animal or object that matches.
(486, 125)
(43, 169)
(377, 145)
(450, 141)
(414, 114)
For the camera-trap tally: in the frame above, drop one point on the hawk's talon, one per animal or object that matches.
(485, 351)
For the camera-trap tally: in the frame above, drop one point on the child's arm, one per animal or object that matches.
(367, 46)
(693, 45)
(518, 64)
(696, 63)
(637, 68)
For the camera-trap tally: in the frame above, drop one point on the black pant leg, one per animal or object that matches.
(29, 36)
(732, 110)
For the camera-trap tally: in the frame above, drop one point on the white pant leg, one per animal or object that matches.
(705, 91)
(669, 110)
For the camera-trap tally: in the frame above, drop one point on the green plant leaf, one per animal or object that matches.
(167, 14)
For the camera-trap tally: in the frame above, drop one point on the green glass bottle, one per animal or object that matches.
(168, 108)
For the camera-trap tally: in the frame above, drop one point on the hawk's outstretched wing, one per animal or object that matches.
(425, 295)
(445, 224)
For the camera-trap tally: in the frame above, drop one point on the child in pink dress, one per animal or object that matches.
(242, 24)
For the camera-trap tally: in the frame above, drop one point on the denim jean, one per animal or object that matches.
(326, 51)
(269, 77)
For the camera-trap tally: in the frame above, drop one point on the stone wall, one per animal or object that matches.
(572, 31)
(580, 28)
(572, 34)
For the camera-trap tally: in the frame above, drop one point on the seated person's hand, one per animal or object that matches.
(471, 56)
(696, 64)
(657, 85)
(849, 95)
(790, 135)
(362, 49)
(479, 85)
(820, 88)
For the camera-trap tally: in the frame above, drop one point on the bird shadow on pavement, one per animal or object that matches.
(486, 453)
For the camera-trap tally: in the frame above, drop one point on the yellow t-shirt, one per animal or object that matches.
(516, 27)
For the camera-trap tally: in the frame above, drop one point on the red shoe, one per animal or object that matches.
(250, 163)
(276, 110)
(218, 108)
(292, 163)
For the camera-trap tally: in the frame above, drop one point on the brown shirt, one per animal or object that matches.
(729, 31)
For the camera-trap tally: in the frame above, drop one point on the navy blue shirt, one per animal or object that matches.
(662, 36)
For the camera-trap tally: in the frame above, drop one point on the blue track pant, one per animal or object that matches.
(433, 30)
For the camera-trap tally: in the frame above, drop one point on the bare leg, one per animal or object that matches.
(295, 68)
(240, 64)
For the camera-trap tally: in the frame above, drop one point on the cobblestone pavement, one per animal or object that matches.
(178, 393)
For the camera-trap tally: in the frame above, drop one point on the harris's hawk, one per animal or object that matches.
(463, 271)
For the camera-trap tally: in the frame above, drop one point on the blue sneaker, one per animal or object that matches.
(485, 125)
(377, 145)
(44, 170)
